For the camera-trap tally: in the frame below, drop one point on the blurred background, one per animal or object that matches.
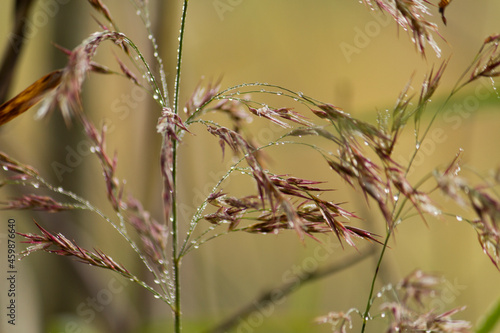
(338, 52)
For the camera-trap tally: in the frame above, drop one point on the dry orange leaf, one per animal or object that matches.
(442, 5)
(29, 96)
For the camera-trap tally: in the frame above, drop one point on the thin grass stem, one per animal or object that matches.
(175, 227)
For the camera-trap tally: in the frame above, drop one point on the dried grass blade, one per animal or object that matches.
(29, 96)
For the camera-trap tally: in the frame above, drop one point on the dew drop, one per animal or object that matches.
(417, 146)
(494, 87)
(35, 185)
(301, 94)
(379, 294)
(138, 12)
(155, 96)
(5, 168)
(157, 281)
(95, 149)
(157, 296)
(150, 36)
(155, 54)
(279, 93)
(382, 315)
(459, 218)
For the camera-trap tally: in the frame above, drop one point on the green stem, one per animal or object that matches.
(175, 228)
(366, 314)
(179, 57)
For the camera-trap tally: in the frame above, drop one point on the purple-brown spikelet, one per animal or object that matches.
(411, 16)
(108, 164)
(154, 235)
(67, 94)
(488, 60)
(60, 245)
(20, 171)
(36, 203)
(411, 313)
(201, 96)
(285, 113)
(311, 213)
(488, 224)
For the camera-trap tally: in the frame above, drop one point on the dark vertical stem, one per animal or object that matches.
(14, 46)
(175, 228)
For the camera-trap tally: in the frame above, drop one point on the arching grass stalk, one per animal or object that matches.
(479, 70)
(397, 217)
(175, 228)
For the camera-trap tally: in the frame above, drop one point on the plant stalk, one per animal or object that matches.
(366, 314)
(175, 227)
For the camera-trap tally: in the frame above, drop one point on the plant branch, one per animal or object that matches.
(375, 275)
(288, 288)
(175, 228)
